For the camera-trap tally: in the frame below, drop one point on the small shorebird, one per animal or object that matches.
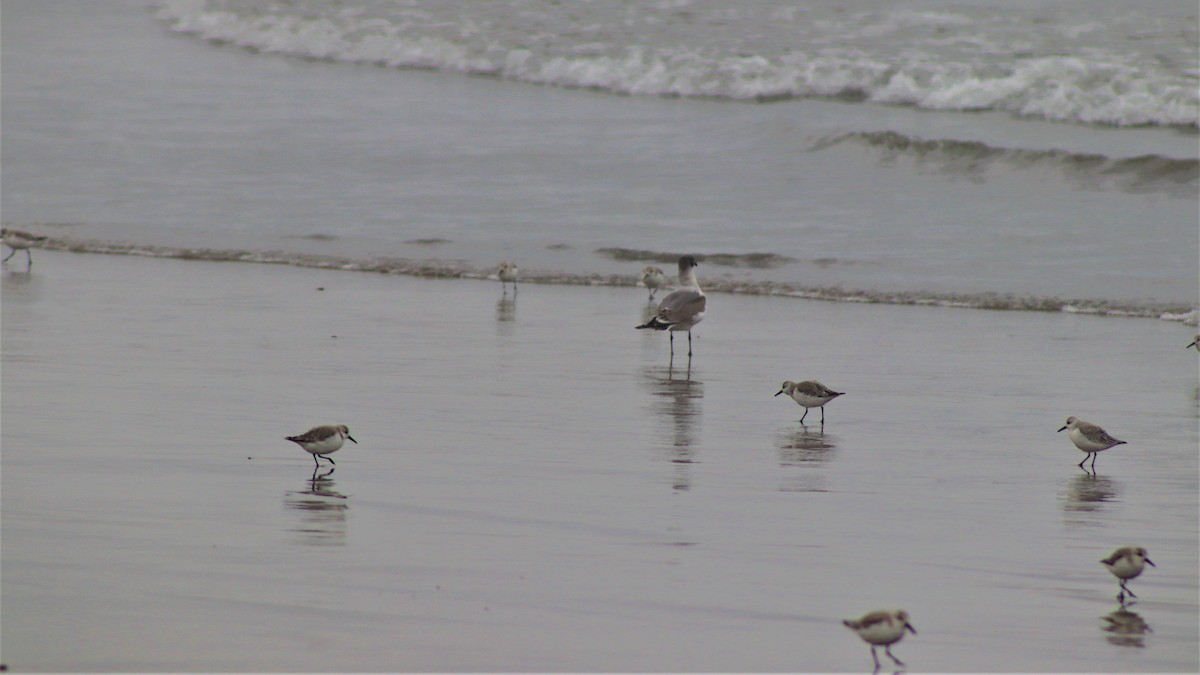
(323, 440)
(507, 272)
(1089, 438)
(882, 627)
(1127, 563)
(17, 240)
(1195, 343)
(810, 394)
(653, 278)
(682, 308)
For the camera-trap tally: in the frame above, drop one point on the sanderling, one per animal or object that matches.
(17, 239)
(882, 627)
(683, 307)
(810, 394)
(1127, 563)
(1195, 343)
(1089, 438)
(507, 272)
(323, 440)
(653, 279)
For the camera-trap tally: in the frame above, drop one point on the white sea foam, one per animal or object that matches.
(1057, 68)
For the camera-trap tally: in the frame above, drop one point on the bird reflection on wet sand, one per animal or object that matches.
(801, 450)
(506, 308)
(1125, 628)
(677, 401)
(1089, 493)
(322, 511)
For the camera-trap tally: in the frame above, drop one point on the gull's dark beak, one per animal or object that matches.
(910, 628)
(351, 438)
(1060, 430)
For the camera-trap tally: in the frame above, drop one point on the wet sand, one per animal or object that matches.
(535, 490)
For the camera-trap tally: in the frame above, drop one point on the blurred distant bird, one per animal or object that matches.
(653, 278)
(507, 272)
(1127, 563)
(883, 627)
(16, 240)
(1195, 343)
(323, 440)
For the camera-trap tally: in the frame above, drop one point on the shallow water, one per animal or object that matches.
(534, 489)
(120, 128)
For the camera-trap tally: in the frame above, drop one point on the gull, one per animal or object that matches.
(653, 278)
(323, 440)
(683, 307)
(882, 627)
(507, 272)
(1089, 438)
(16, 240)
(810, 394)
(1127, 563)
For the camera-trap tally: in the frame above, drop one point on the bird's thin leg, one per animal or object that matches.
(888, 650)
(671, 333)
(1094, 456)
(1126, 589)
(876, 657)
(822, 415)
(29, 258)
(689, 344)
(315, 463)
(330, 460)
(1082, 462)
(14, 252)
(803, 416)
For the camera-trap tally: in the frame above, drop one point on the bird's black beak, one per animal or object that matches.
(1060, 430)
(779, 392)
(910, 628)
(1150, 563)
(351, 438)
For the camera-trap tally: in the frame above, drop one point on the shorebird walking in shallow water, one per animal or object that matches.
(682, 308)
(653, 278)
(1089, 438)
(882, 627)
(507, 272)
(1127, 563)
(810, 394)
(323, 441)
(17, 240)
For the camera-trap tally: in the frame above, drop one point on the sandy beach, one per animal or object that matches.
(534, 489)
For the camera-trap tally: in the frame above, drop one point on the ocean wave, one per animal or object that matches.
(751, 52)
(1144, 173)
(453, 269)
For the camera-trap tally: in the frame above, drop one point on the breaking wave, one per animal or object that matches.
(1127, 70)
(1145, 173)
(450, 269)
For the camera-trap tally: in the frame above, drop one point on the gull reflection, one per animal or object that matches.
(677, 401)
(322, 511)
(1125, 628)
